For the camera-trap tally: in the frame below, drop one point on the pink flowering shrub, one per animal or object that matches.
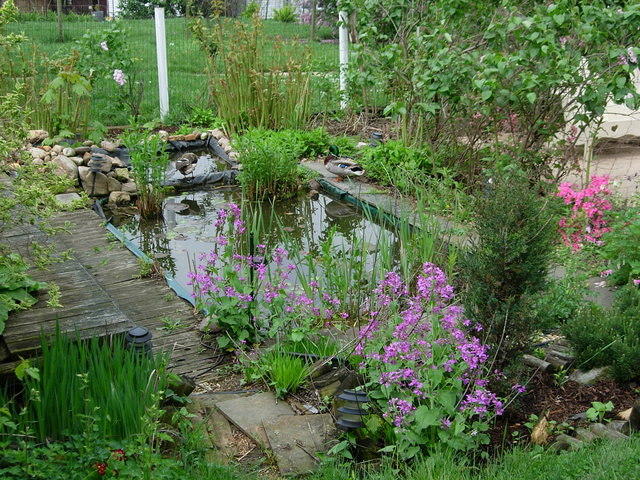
(425, 368)
(587, 222)
(254, 294)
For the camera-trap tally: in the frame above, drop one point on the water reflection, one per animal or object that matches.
(187, 228)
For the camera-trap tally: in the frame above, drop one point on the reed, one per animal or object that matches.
(91, 385)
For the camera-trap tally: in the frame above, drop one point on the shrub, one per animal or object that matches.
(424, 367)
(507, 262)
(602, 337)
(620, 245)
(393, 163)
(16, 287)
(252, 9)
(284, 372)
(286, 14)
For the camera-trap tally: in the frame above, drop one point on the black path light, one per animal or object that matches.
(351, 409)
(139, 340)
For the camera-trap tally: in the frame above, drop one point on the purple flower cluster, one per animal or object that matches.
(417, 342)
(225, 275)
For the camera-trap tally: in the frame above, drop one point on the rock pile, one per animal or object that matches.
(100, 170)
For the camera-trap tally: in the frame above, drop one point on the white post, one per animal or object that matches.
(343, 35)
(161, 53)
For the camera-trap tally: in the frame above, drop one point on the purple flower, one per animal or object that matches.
(519, 388)
(119, 77)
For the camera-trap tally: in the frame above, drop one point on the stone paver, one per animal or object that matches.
(249, 413)
(295, 441)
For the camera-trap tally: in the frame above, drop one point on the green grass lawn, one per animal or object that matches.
(187, 64)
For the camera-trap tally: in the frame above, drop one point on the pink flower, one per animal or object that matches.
(606, 273)
(119, 78)
(636, 281)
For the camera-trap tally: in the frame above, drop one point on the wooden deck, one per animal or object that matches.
(101, 295)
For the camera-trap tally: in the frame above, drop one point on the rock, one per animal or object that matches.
(585, 435)
(556, 362)
(95, 184)
(191, 137)
(314, 185)
(209, 325)
(37, 161)
(68, 152)
(36, 136)
(233, 155)
(82, 150)
(603, 431)
(589, 377)
(314, 194)
(47, 158)
(114, 185)
(204, 136)
(86, 157)
(361, 145)
(620, 426)
(76, 160)
(336, 374)
(224, 143)
(117, 163)
(565, 442)
(634, 416)
(87, 143)
(119, 198)
(536, 362)
(122, 174)
(540, 433)
(103, 162)
(108, 146)
(67, 198)
(163, 134)
(217, 133)
(57, 149)
(296, 441)
(181, 385)
(130, 187)
(37, 152)
(46, 148)
(66, 167)
(249, 413)
(329, 390)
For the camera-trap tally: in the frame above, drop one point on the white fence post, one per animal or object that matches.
(161, 53)
(343, 35)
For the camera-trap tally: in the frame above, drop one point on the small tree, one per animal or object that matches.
(507, 262)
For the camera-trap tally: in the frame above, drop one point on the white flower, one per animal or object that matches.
(119, 78)
(104, 46)
(633, 58)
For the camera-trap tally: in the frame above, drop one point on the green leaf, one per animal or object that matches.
(486, 95)
(531, 96)
(426, 417)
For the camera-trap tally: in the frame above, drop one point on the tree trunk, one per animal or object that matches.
(59, 9)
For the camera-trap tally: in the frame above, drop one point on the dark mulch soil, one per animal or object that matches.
(559, 403)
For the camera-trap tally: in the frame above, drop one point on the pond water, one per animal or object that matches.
(186, 229)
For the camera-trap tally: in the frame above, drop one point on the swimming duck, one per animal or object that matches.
(341, 166)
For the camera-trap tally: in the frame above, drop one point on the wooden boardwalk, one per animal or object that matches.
(101, 294)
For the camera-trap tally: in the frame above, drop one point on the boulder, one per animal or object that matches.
(589, 377)
(36, 136)
(130, 187)
(119, 198)
(87, 143)
(217, 133)
(57, 149)
(204, 136)
(37, 161)
(96, 184)
(82, 150)
(163, 134)
(634, 416)
(103, 162)
(66, 167)
(191, 137)
(122, 174)
(117, 163)
(108, 146)
(68, 152)
(86, 157)
(67, 198)
(37, 153)
(46, 148)
(114, 185)
(76, 160)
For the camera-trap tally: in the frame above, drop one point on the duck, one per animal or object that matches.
(342, 167)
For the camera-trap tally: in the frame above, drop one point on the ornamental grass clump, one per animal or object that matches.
(425, 367)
